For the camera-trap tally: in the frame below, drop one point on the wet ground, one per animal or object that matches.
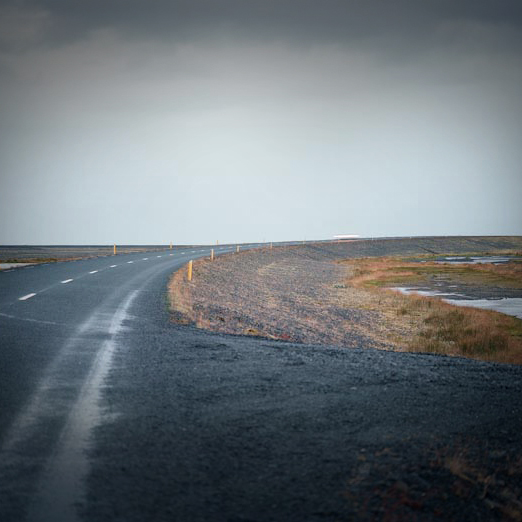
(501, 298)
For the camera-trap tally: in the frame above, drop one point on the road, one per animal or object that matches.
(111, 412)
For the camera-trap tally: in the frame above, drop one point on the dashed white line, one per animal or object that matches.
(113, 266)
(145, 258)
(158, 256)
(93, 272)
(182, 252)
(171, 254)
(129, 262)
(28, 296)
(67, 281)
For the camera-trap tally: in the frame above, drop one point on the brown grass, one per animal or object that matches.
(468, 473)
(495, 492)
(431, 325)
(386, 270)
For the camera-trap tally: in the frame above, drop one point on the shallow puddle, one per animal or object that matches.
(474, 260)
(506, 305)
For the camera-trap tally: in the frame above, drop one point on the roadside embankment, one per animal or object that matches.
(310, 294)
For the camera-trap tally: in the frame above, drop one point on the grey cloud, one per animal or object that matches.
(254, 115)
(297, 21)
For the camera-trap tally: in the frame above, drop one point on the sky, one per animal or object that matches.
(196, 121)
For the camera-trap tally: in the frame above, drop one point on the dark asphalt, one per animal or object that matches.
(110, 412)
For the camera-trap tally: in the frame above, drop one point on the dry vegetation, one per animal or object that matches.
(447, 480)
(300, 295)
(426, 324)
(386, 270)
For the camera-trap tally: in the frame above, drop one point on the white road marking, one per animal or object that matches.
(67, 281)
(182, 252)
(28, 296)
(158, 256)
(93, 272)
(171, 254)
(192, 251)
(145, 258)
(129, 262)
(62, 483)
(113, 266)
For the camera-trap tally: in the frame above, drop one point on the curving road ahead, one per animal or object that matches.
(110, 412)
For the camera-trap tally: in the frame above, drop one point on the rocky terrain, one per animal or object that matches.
(300, 293)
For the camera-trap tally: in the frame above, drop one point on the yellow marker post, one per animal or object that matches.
(189, 271)
(212, 254)
(114, 250)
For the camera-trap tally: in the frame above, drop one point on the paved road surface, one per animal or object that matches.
(110, 412)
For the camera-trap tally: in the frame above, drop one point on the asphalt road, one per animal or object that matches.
(110, 412)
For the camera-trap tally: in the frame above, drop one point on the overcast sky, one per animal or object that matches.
(146, 121)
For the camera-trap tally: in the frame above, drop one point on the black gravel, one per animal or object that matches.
(221, 428)
(224, 428)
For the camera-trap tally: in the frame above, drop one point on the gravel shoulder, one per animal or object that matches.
(239, 428)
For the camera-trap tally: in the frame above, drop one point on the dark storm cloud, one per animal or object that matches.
(297, 21)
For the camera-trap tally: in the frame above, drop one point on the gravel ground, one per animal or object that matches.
(236, 429)
(414, 458)
(297, 293)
